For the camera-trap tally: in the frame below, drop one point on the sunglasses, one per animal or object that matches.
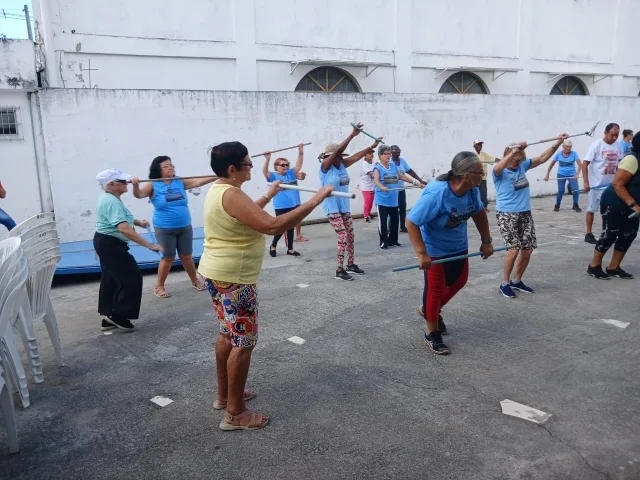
(282, 165)
(120, 182)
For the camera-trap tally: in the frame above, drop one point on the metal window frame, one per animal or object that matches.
(476, 79)
(497, 72)
(325, 88)
(18, 123)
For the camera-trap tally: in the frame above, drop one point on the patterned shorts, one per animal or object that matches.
(237, 309)
(517, 230)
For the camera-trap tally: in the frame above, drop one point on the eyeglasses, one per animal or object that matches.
(282, 165)
(246, 164)
(475, 173)
(385, 153)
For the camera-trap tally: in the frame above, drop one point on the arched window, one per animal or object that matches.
(569, 86)
(327, 79)
(463, 82)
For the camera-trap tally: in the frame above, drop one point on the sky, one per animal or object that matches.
(11, 26)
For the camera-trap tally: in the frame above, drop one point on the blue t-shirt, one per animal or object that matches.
(389, 178)
(442, 217)
(285, 198)
(339, 178)
(171, 206)
(512, 188)
(626, 146)
(566, 165)
(404, 167)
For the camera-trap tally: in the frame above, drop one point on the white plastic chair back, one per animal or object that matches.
(39, 284)
(30, 223)
(36, 231)
(37, 250)
(29, 240)
(9, 246)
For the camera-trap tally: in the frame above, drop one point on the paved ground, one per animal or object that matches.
(362, 398)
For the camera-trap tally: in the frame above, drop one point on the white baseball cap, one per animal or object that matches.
(476, 142)
(111, 175)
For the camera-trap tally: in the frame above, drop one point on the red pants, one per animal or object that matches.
(441, 283)
(368, 202)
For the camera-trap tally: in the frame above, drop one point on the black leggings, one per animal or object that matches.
(274, 243)
(388, 235)
(402, 207)
(121, 283)
(617, 228)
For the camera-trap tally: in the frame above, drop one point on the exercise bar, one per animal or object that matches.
(279, 150)
(175, 178)
(449, 259)
(286, 186)
(547, 140)
(366, 133)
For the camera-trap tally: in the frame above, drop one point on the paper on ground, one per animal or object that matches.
(108, 333)
(525, 412)
(616, 323)
(296, 340)
(162, 401)
(302, 285)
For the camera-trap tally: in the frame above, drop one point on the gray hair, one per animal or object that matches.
(383, 149)
(461, 164)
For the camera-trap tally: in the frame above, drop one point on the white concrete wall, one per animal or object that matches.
(250, 44)
(17, 65)
(87, 130)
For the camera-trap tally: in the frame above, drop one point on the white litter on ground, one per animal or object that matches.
(162, 401)
(525, 412)
(302, 285)
(108, 333)
(615, 323)
(296, 340)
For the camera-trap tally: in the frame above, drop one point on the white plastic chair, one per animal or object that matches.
(6, 405)
(29, 239)
(34, 232)
(12, 280)
(30, 223)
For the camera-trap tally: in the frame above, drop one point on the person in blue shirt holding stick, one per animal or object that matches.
(437, 227)
(513, 210)
(567, 159)
(404, 167)
(285, 200)
(386, 176)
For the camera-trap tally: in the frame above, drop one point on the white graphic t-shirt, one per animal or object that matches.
(604, 160)
(366, 181)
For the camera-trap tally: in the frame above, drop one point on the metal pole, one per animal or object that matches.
(280, 150)
(449, 259)
(26, 15)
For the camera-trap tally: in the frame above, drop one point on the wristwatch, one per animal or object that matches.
(632, 205)
(488, 241)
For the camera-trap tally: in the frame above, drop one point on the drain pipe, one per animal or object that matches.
(44, 189)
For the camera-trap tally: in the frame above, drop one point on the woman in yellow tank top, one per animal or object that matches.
(234, 230)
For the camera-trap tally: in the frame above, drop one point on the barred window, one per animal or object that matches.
(8, 122)
(327, 79)
(463, 82)
(569, 86)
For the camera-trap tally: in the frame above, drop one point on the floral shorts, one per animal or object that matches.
(517, 230)
(237, 309)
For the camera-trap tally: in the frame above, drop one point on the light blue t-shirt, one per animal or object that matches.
(404, 167)
(389, 178)
(566, 165)
(442, 217)
(171, 206)
(339, 178)
(512, 188)
(111, 212)
(286, 198)
(626, 146)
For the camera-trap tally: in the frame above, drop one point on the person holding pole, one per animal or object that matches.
(171, 219)
(437, 226)
(333, 171)
(619, 201)
(285, 200)
(404, 168)
(386, 176)
(598, 168)
(367, 186)
(567, 159)
(513, 210)
(234, 228)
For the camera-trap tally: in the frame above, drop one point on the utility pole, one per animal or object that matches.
(26, 16)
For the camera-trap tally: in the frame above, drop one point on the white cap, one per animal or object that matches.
(111, 175)
(476, 142)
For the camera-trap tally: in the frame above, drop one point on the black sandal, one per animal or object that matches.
(294, 253)
(272, 251)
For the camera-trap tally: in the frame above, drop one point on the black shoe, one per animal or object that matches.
(367, 219)
(589, 238)
(576, 207)
(598, 273)
(620, 273)
(383, 246)
(433, 341)
(404, 230)
(294, 253)
(272, 251)
(121, 323)
(355, 269)
(556, 208)
(106, 325)
(342, 275)
(395, 244)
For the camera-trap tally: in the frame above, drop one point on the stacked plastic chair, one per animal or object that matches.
(40, 245)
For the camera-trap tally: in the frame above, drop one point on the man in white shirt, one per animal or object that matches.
(367, 185)
(598, 168)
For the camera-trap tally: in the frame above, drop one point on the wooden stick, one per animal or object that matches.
(563, 178)
(279, 150)
(366, 133)
(405, 188)
(547, 140)
(449, 259)
(285, 186)
(175, 178)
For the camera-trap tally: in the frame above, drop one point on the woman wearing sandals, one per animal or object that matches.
(171, 219)
(286, 200)
(333, 171)
(234, 229)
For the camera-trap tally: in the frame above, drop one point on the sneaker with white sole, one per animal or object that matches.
(620, 273)
(106, 326)
(519, 285)
(598, 273)
(121, 323)
(507, 291)
(354, 269)
(342, 275)
(433, 341)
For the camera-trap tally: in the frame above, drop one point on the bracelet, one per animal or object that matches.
(266, 197)
(488, 241)
(632, 205)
